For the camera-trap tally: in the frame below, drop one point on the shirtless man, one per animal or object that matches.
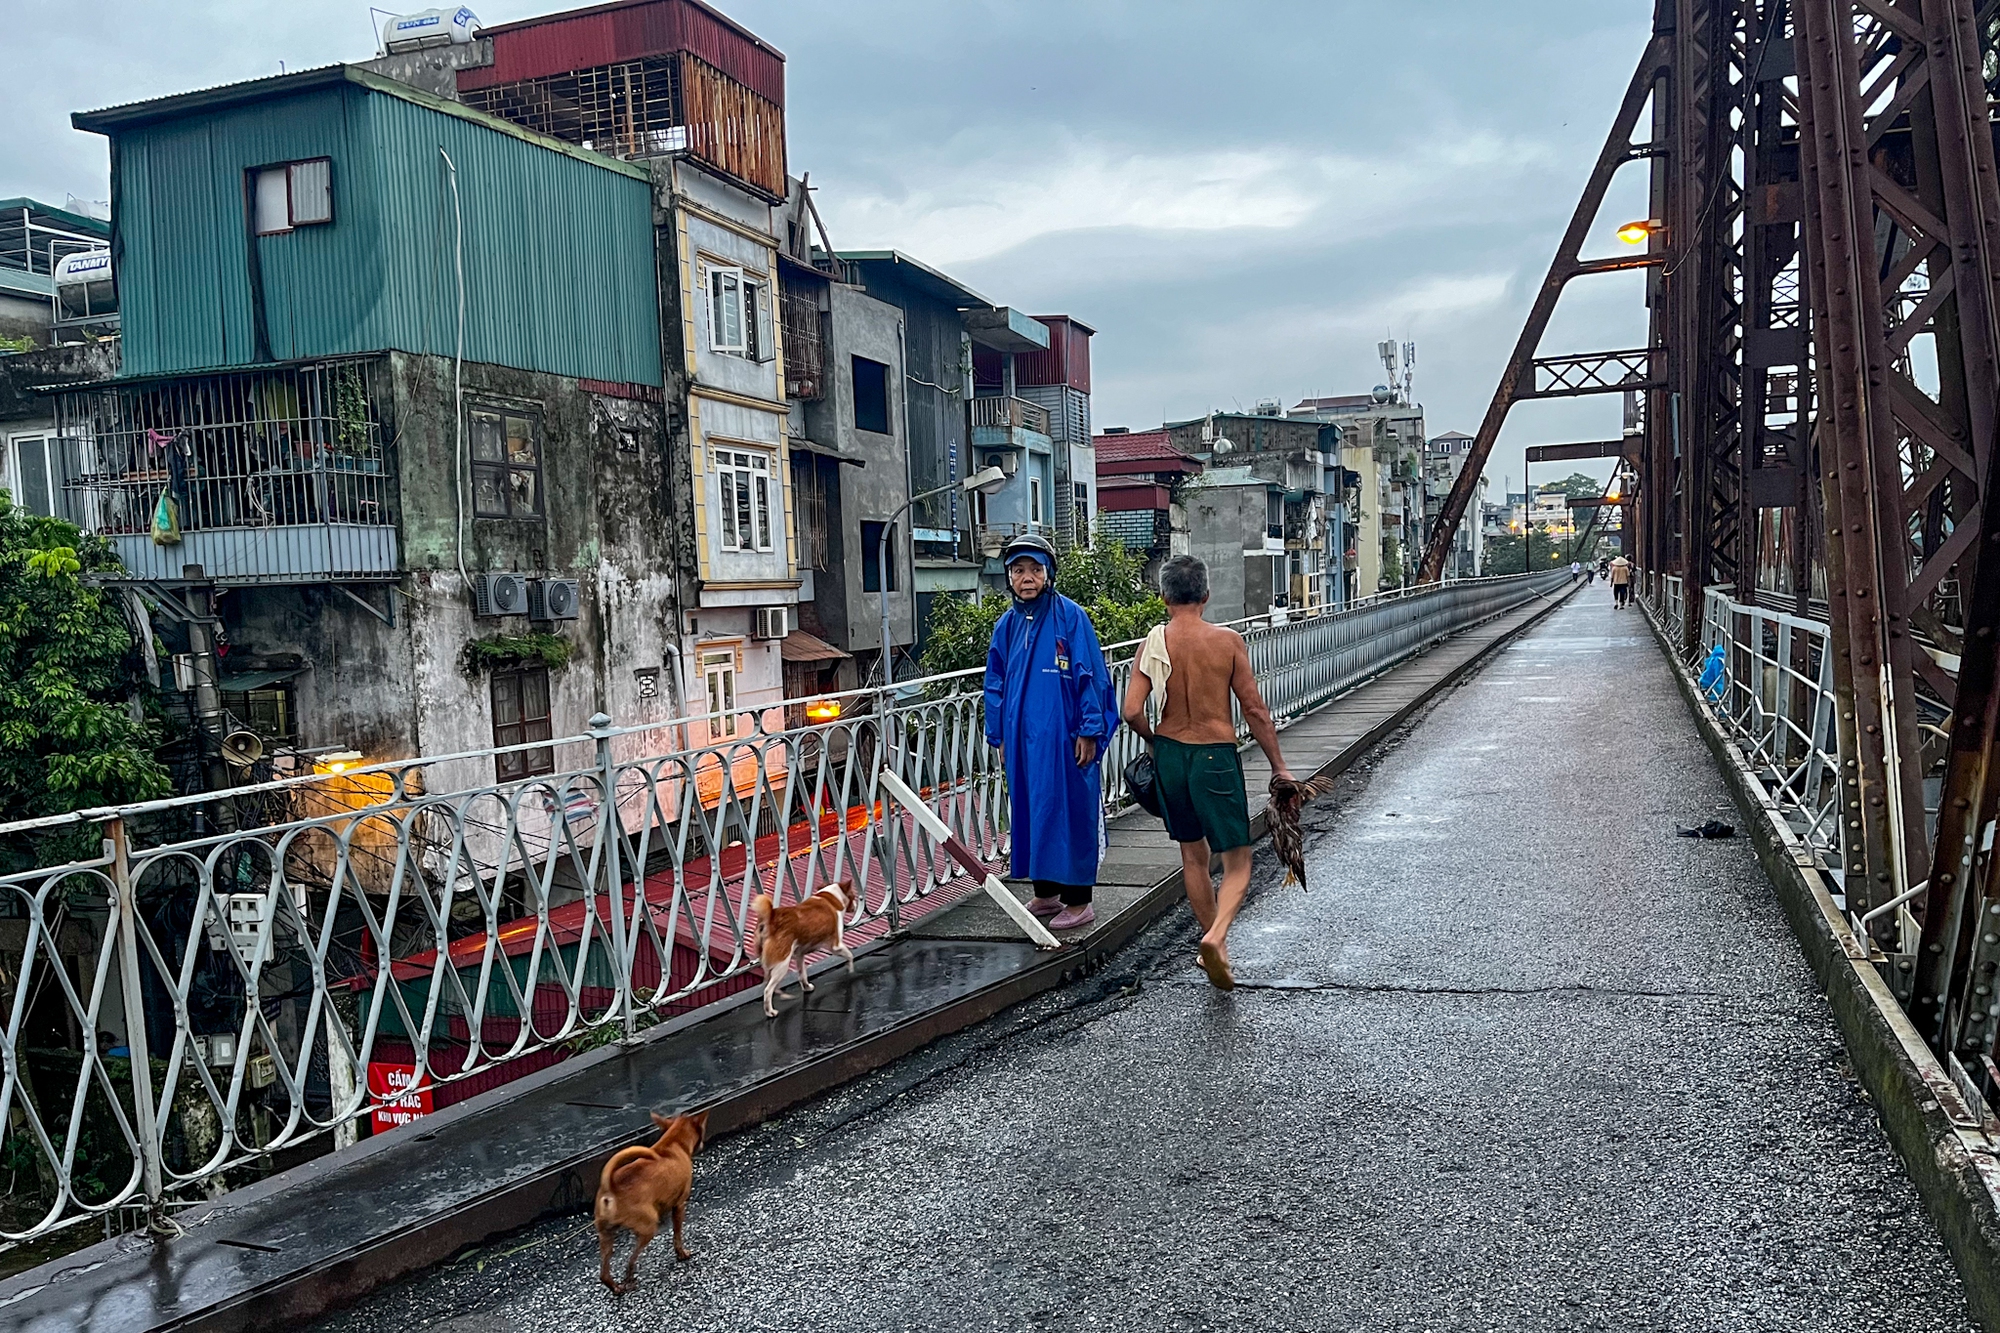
(1194, 751)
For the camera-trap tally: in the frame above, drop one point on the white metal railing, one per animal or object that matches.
(1770, 685)
(230, 975)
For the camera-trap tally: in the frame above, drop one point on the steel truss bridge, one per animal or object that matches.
(1811, 431)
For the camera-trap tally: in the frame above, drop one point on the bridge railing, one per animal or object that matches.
(220, 983)
(1767, 675)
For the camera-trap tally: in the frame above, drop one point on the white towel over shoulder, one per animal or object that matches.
(1153, 660)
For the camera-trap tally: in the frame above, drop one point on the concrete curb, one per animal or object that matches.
(1935, 1131)
(566, 1183)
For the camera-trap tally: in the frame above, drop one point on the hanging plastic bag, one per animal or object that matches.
(167, 520)
(1713, 680)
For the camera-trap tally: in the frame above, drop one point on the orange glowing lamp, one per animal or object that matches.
(823, 710)
(1635, 233)
(338, 762)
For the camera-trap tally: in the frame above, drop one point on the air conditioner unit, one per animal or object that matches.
(500, 594)
(1007, 461)
(769, 622)
(552, 599)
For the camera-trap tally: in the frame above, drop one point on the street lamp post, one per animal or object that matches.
(984, 482)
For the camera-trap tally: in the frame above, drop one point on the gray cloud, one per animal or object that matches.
(1242, 198)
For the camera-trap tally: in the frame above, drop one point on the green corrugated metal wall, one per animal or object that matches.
(558, 251)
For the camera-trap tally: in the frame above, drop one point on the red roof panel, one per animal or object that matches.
(629, 30)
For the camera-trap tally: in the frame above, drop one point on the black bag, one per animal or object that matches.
(1142, 780)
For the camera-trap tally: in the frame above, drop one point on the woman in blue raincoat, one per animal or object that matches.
(1050, 709)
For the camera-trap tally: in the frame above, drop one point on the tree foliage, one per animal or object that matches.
(1104, 578)
(68, 737)
(1503, 553)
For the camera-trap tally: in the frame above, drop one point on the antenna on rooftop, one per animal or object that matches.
(1409, 371)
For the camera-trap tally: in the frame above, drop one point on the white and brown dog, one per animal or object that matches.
(785, 935)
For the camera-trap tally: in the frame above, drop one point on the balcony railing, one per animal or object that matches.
(274, 476)
(1010, 414)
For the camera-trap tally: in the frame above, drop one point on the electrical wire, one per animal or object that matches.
(459, 377)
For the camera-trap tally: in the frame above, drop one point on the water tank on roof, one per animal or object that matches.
(85, 293)
(85, 266)
(429, 27)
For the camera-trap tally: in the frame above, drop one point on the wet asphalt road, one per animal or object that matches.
(1521, 1059)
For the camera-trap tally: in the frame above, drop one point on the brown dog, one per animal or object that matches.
(640, 1184)
(785, 935)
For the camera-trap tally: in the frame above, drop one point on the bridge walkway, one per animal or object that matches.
(1520, 1059)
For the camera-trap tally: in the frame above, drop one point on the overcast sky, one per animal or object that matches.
(1242, 198)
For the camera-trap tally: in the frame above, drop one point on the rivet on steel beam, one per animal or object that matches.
(1946, 877)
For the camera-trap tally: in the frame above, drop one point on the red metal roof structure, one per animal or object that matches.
(643, 78)
(629, 30)
(1066, 362)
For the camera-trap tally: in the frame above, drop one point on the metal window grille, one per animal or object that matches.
(805, 346)
(809, 492)
(257, 475)
(625, 110)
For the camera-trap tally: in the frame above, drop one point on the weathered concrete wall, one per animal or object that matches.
(938, 354)
(394, 691)
(605, 523)
(860, 325)
(434, 69)
(1221, 522)
(24, 317)
(21, 372)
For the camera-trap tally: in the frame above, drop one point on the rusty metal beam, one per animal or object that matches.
(1556, 453)
(1617, 150)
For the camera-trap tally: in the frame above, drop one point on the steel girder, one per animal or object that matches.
(1821, 403)
(1902, 128)
(1562, 377)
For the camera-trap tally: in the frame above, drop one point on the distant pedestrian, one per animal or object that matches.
(1621, 582)
(1575, 570)
(1194, 751)
(1049, 709)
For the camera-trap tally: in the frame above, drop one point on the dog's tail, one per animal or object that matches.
(620, 1168)
(760, 911)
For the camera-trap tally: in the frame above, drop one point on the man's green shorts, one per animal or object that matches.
(1201, 788)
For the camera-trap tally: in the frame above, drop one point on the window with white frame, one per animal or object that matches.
(748, 504)
(41, 468)
(35, 476)
(718, 674)
(1035, 500)
(734, 301)
(292, 195)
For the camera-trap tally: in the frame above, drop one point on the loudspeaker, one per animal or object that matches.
(242, 748)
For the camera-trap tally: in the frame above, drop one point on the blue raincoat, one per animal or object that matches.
(1046, 685)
